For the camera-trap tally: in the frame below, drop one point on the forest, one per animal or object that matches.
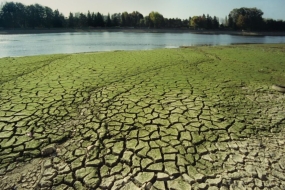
(15, 15)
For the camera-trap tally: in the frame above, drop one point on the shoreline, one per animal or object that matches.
(109, 51)
(139, 30)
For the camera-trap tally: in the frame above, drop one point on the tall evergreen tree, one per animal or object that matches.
(100, 20)
(108, 21)
(94, 19)
(89, 19)
(71, 22)
(215, 23)
(209, 22)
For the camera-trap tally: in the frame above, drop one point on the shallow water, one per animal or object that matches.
(54, 43)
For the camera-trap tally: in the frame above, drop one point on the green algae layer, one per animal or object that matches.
(157, 119)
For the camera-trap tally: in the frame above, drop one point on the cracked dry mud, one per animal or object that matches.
(193, 118)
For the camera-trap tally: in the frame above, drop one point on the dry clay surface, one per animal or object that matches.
(189, 118)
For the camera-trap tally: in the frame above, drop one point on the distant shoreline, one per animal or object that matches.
(139, 30)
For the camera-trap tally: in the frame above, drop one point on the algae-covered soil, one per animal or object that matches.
(197, 117)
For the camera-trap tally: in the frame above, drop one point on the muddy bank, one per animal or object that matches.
(188, 118)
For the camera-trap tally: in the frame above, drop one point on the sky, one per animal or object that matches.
(168, 8)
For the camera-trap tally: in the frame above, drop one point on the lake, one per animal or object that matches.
(55, 43)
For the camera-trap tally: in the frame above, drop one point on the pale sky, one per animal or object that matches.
(168, 8)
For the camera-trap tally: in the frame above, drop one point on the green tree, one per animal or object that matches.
(89, 19)
(156, 19)
(39, 15)
(135, 18)
(185, 23)
(1, 20)
(209, 22)
(108, 21)
(116, 19)
(36, 16)
(48, 17)
(94, 19)
(71, 22)
(147, 21)
(100, 20)
(274, 25)
(125, 21)
(241, 22)
(58, 19)
(142, 23)
(82, 20)
(231, 23)
(31, 16)
(13, 15)
(203, 21)
(20, 15)
(195, 22)
(173, 23)
(251, 18)
(215, 23)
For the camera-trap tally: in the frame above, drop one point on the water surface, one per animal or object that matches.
(54, 43)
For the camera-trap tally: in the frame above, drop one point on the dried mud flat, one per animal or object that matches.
(189, 118)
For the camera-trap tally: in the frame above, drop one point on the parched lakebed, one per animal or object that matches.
(195, 117)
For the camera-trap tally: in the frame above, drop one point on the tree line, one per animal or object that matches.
(18, 15)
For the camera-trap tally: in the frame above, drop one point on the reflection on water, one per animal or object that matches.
(37, 44)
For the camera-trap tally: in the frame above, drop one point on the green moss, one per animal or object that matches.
(33, 144)
(6, 134)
